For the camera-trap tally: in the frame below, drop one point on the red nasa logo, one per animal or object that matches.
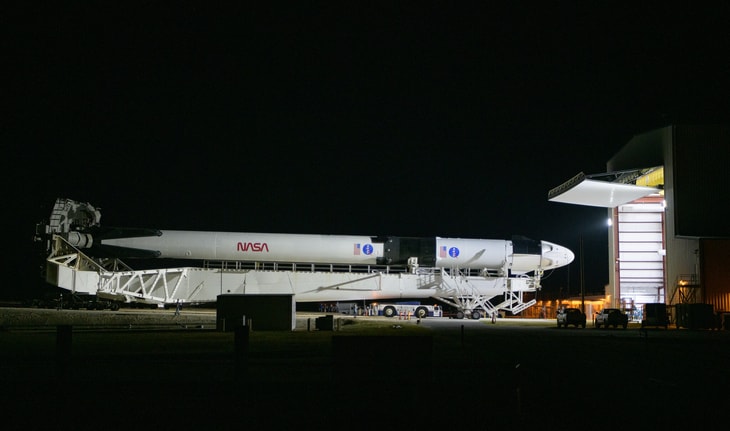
(252, 246)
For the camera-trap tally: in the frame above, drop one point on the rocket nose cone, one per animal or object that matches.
(555, 256)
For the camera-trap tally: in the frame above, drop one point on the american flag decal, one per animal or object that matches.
(442, 252)
(357, 249)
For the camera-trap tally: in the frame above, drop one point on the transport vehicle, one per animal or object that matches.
(475, 276)
(612, 317)
(571, 316)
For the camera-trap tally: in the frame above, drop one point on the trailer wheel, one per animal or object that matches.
(459, 314)
(421, 312)
(476, 315)
(389, 311)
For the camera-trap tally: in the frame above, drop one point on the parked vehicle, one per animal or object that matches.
(415, 309)
(612, 317)
(571, 316)
(696, 316)
(655, 314)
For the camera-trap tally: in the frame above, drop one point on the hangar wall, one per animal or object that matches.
(700, 157)
(695, 160)
(715, 258)
(682, 252)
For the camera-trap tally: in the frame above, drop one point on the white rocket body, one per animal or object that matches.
(348, 249)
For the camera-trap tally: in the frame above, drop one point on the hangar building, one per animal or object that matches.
(666, 194)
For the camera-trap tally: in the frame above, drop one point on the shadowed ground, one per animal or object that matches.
(370, 373)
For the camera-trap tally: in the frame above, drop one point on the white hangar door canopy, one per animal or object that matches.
(581, 190)
(639, 248)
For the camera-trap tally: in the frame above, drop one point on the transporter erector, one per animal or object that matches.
(474, 275)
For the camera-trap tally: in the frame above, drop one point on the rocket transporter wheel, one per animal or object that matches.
(389, 312)
(421, 312)
(476, 315)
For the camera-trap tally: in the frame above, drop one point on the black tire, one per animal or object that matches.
(421, 312)
(389, 311)
(459, 315)
(476, 315)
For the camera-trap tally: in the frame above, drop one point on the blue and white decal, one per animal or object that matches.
(366, 249)
(446, 251)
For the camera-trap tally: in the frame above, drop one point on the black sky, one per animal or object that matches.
(451, 119)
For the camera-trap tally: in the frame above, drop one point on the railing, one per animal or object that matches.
(686, 289)
(235, 265)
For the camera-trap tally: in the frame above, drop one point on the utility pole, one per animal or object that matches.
(582, 279)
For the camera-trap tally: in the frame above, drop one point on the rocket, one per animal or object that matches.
(78, 223)
(463, 272)
(519, 255)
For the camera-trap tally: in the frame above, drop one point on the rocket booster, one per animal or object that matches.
(79, 224)
(519, 255)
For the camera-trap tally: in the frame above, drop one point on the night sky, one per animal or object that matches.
(425, 118)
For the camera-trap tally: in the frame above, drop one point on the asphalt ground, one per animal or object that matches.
(91, 369)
